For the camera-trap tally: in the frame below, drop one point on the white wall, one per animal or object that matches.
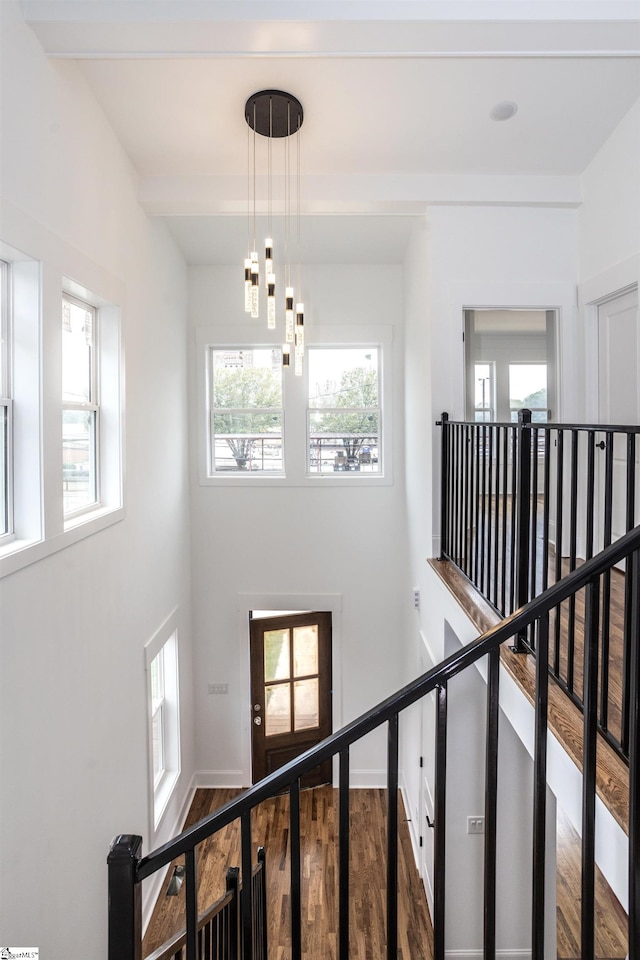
(73, 721)
(299, 541)
(610, 214)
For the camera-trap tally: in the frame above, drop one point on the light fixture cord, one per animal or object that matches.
(269, 173)
(248, 187)
(287, 195)
(298, 220)
(254, 176)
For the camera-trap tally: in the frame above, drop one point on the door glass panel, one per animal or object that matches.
(276, 655)
(305, 699)
(305, 650)
(277, 718)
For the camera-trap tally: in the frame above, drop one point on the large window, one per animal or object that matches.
(528, 388)
(164, 715)
(80, 414)
(6, 449)
(344, 410)
(246, 416)
(261, 425)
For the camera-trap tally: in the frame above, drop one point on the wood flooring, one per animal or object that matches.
(319, 829)
(368, 863)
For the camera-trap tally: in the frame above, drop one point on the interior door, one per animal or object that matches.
(619, 389)
(291, 691)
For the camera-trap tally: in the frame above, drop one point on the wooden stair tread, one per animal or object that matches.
(565, 719)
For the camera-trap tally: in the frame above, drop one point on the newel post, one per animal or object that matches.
(444, 486)
(125, 910)
(523, 516)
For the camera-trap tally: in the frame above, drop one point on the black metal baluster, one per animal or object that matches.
(573, 533)
(191, 903)
(606, 586)
(559, 511)
(515, 469)
(489, 510)
(630, 514)
(439, 839)
(467, 531)
(533, 529)
(233, 931)
(456, 503)
(473, 522)
(392, 839)
(296, 904)
(496, 538)
(262, 859)
(523, 524)
(546, 508)
(540, 789)
(491, 804)
(343, 854)
(633, 573)
(444, 487)
(483, 508)
(246, 894)
(590, 696)
(505, 518)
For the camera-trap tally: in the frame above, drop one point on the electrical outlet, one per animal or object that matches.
(218, 688)
(475, 824)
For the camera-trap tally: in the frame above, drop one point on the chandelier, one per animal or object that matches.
(275, 115)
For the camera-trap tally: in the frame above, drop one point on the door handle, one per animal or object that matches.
(257, 721)
(601, 445)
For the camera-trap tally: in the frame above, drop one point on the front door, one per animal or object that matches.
(290, 691)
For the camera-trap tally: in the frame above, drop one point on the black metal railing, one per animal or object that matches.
(219, 929)
(524, 503)
(127, 870)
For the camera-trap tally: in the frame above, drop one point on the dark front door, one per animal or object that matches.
(290, 690)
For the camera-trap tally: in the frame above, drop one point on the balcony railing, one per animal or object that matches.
(522, 505)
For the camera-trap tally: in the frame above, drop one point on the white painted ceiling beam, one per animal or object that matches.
(202, 10)
(360, 39)
(361, 194)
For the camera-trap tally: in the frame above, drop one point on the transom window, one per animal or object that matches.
(344, 417)
(80, 406)
(6, 453)
(246, 416)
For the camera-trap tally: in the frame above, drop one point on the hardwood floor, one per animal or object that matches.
(611, 920)
(368, 859)
(319, 828)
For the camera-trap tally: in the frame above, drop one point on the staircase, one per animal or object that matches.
(127, 869)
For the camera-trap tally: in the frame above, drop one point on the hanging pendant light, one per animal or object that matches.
(273, 114)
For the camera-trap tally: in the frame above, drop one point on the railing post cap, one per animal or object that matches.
(524, 415)
(126, 846)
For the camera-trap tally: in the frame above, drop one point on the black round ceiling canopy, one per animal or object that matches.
(273, 113)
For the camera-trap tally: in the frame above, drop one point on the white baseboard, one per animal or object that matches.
(220, 778)
(479, 954)
(367, 779)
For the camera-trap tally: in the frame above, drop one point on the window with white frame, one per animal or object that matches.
(245, 412)
(6, 418)
(164, 716)
(80, 410)
(344, 410)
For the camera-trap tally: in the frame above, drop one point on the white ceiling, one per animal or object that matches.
(396, 96)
